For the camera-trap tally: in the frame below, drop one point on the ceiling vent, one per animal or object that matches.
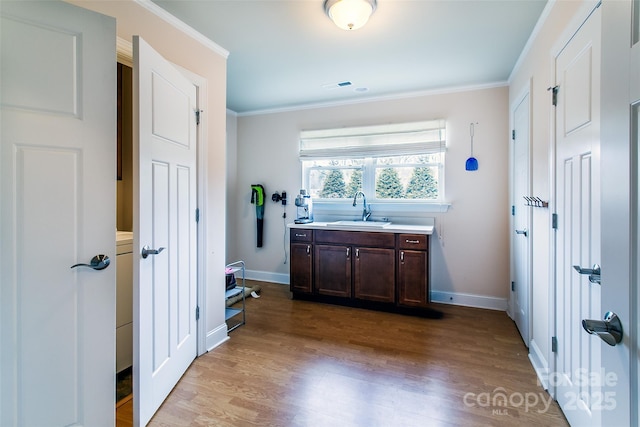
(330, 86)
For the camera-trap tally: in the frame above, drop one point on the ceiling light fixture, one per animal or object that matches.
(349, 14)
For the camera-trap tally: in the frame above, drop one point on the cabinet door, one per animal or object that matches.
(333, 270)
(374, 274)
(413, 278)
(301, 267)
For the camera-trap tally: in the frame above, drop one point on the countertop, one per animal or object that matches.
(391, 228)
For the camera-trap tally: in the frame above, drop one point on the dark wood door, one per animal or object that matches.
(333, 270)
(413, 281)
(374, 274)
(301, 267)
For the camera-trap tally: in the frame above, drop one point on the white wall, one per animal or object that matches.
(134, 18)
(537, 64)
(470, 258)
(232, 176)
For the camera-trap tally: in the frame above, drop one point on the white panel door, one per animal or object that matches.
(521, 237)
(165, 207)
(578, 234)
(57, 163)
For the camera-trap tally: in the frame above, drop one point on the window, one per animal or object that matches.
(390, 163)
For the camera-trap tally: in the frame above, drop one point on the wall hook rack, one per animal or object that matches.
(535, 202)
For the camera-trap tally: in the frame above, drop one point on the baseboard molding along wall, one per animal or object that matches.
(216, 337)
(469, 300)
(540, 364)
(267, 276)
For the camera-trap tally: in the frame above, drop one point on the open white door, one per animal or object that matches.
(165, 339)
(57, 181)
(578, 236)
(521, 234)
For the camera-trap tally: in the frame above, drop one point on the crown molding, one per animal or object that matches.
(365, 100)
(180, 25)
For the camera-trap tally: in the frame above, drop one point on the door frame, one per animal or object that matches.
(522, 94)
(202, 190)
(620, 200)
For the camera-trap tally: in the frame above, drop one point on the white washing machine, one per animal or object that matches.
(124, 300)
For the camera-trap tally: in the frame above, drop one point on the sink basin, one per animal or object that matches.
(359, 224)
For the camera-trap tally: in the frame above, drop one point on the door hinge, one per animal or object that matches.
(513, 134)
(513, 210)
(198, 116)
(554, 221)
(197, 312)
(554, 344)
(197, 214)
(554, 95)
(513, 286)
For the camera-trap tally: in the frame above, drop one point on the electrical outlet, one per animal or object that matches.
(284, 198)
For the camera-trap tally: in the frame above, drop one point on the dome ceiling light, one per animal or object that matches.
(349, 14)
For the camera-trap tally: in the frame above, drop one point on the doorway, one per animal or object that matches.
(165, 143)
(124, 244)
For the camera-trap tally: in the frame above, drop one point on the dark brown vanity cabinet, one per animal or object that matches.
(374, 273)
(355, 264)
(413, 270)
(352, 266)
(333, 270)
(301, 265)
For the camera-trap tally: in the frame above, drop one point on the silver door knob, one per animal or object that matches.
(609, 329)
(98, 262)
(594, 273)
(146, 251)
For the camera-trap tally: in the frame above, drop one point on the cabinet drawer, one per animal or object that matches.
(418, 242)
(356, 238)
(301, 235)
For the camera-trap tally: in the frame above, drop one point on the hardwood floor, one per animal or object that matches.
(298, 363)
(124, 412)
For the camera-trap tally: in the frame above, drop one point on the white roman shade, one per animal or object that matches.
(374, 141)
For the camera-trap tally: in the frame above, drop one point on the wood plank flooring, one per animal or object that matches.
(298, 363)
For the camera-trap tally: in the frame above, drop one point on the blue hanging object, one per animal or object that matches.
(472, 162)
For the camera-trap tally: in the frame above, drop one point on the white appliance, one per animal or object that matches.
(304, 208)
(124, 300)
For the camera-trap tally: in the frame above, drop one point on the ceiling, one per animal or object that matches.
(287, 53)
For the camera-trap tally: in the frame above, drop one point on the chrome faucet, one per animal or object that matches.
(366, 211)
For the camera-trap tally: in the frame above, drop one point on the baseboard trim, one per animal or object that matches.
(217, 336)
(539, 363)
(469, 300)
(453, 298)
(267, 276)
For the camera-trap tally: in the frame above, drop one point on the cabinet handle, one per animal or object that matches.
(412, 241)
(357, 253)
(301, 235)
(308, 249)
(401, 256)
(348, 250)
